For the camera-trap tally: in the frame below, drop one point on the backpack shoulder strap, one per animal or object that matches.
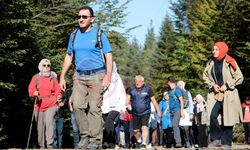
(99, 39)
(73, 39)
(37, 80)
(99, 43)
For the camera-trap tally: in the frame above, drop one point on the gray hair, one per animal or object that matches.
(181, 84)
(43, 61)
(139, 77)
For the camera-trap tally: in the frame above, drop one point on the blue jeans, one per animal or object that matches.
(75, 129)
(58, 132)
(175, 119)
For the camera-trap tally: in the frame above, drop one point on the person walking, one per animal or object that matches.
(222, 75)
(200, 120)
(166, 124)
(114, 100)
(45, 88)
(186, 123)
(59, 122)
(246, 119)
(176, 107)
(140, 96)
(93, 73)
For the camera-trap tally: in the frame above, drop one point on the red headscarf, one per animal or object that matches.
(223, 49)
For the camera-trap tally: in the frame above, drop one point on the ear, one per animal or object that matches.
(92, 20)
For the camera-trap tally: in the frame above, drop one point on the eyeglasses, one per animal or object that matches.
(46, 65)
(83, 17)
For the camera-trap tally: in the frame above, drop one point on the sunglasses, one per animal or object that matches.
(46, 65)
(83, 17)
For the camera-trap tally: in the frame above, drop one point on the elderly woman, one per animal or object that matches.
(222, 75)
(45, 88)
(200, 119)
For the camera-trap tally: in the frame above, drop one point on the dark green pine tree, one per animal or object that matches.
(149, 50)
(17, 46)
(133, 62)
(162, 60)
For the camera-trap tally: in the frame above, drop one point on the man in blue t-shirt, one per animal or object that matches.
(92, 75)
(176, 107)
(140, 96)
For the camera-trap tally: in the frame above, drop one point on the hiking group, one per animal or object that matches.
(106, 115)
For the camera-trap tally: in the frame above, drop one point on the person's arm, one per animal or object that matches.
(211, 83)
(237, 79)
(109, 66)
(182, 106)
(156, 106)
(66, 64)
(32, 88)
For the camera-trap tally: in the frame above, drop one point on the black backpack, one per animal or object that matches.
(184, 95)
(98, 41)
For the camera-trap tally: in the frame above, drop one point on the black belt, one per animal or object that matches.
(89, 72)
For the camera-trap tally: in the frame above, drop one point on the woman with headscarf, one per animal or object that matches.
(45, 88)
(222, 75)
(200, 120)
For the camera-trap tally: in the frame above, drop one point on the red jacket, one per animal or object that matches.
(49, 91)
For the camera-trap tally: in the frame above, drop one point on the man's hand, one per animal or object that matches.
(106, 81)
(62, 84)
(159, 114)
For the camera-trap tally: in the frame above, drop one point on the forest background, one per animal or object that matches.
(36, 29)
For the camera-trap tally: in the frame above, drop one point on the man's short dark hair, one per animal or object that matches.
(89, 9)
(171, 79)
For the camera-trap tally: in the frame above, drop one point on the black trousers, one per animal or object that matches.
(202, 135)
(220, 132)
(246, 131)
(109, 127)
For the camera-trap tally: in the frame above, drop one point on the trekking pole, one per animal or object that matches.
(33, 115)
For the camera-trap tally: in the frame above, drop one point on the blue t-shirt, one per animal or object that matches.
(174, 95)
(87, 55)
(140, 100)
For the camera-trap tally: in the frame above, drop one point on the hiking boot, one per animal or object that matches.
(83, 143)
(138, 145)
(215, 143)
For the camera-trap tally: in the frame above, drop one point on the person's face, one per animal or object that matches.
(84, 18)
(248, 101)
(216, 52)
(167, 97)
(139, 83)
(46, 67)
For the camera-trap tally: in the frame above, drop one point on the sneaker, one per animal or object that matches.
(215, 143)
(178, 145)
(143, 146)
(227, 147)
(83, 143)
(196, 146)
(93, 146)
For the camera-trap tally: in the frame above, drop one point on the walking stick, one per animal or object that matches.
(33, 115)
